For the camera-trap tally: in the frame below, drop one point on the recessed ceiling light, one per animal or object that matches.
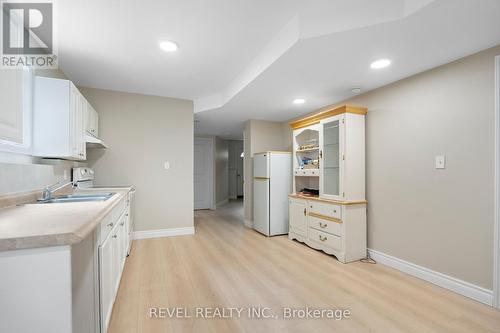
(356, 90)
(299, 101)
(381, 63)
(169, 46)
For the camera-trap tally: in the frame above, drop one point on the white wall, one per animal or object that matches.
(142, 133)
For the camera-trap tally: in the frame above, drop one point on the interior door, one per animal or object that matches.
(261, 205)
(331, 133)
(203, 173)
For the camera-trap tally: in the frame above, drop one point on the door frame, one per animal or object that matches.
(211, 173)
(496, 246)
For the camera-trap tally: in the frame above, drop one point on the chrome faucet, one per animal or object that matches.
(48, 192)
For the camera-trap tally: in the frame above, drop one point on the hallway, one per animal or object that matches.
(227, 265)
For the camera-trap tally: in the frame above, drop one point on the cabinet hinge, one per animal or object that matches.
(343, 121)
(343, 157)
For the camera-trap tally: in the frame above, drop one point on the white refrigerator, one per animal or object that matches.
(272, 182)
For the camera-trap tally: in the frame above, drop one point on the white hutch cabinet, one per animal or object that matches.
(328, 206)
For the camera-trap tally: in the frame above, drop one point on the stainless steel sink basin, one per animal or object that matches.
(78, 198)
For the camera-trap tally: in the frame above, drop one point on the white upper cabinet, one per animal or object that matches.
(11, 117)
(61, 120)
(329, 154)
(91, 121)
(15, 110)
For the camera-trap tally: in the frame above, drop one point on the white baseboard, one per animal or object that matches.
(163, 233)
(467, 289)
(221, 203)
(248, 224)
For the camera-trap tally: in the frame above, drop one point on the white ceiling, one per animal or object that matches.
(248, 59)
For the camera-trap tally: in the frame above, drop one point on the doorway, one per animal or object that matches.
(203, 173)
(235, 169)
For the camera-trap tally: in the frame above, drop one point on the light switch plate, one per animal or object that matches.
(440, 162)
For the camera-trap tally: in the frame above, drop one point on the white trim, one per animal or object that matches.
(467, 289)
(163, 233)
(221, 203)
(496, 235)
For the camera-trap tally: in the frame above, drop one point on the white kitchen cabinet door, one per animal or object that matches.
(78, 133)
(122, 243)
(59, 120)
(298, 217)
(91, 121)
(11, 95)
(106, 277)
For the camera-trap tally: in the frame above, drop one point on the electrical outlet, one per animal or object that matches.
(440, 162)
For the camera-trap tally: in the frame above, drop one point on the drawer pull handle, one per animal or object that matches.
(305, 212)
(322, 238)
(111, 224)
(322, 225)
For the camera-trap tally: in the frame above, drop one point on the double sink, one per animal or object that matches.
(77, 198)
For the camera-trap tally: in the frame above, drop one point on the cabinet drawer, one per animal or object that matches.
(327, 209)
(111, 219)
(331, 227)
(333, 241)
(306, 172)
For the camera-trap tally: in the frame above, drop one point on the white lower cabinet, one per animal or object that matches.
(106, 281)
(332, 227)
(298, 217)
(112, 255)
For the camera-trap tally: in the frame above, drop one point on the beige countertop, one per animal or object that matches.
(43, 225)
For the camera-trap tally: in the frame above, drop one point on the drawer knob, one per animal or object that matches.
(110, 224)
(334, 210)
(322, 225)
(322, 238)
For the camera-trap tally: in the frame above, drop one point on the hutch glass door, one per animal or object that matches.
(331, 157)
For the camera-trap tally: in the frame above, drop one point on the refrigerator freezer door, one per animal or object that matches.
(261, 205)
(261, 165)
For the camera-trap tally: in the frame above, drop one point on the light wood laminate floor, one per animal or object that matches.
(228, 265)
